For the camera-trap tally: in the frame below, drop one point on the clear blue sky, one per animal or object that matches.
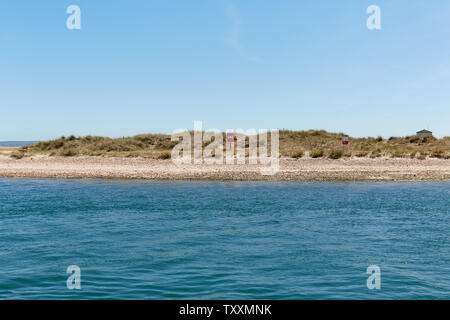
(154, 66)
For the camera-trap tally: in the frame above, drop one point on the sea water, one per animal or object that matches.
(223, 240)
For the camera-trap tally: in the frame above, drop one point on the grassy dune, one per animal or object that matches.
(293, 144)
(10, 151)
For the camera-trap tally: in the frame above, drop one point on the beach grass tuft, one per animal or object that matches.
(316, 154)
(17, 155)
(336, 154)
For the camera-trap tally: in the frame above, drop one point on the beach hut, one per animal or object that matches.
(424, 133)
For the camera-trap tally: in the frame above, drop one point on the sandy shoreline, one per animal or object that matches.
(290, 169)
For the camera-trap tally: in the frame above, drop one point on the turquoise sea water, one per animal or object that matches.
(223, 240)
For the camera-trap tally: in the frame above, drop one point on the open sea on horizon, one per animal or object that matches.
(223, 240)
(16, 143)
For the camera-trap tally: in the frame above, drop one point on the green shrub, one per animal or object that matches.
(68, 152)
(398, 154)
(297, 155)
(336, 154)
(427, 139)
(317, 154)
(17, 155)
(58, 144)
(362, 154)
(375, 154)
(347, 154)
(164, 156)
(438, 154)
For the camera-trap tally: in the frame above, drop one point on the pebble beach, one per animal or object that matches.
(384, 169)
